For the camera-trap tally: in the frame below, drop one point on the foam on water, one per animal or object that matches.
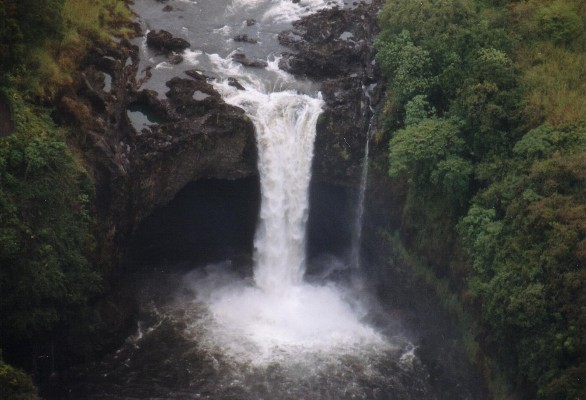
(192, 56)
(254, 326)
(225, 30)
(284, 11)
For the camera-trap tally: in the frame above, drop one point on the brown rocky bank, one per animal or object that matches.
(138, 170)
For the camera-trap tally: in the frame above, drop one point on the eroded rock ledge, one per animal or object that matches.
(196, 135)
(335, 47)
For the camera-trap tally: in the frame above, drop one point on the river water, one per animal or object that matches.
(269, 331)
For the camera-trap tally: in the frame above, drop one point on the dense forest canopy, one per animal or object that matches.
(486, 113)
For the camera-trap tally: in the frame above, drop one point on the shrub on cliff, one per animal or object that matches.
(41, 41)
(45, 228)
(24, 24)
(15, 384)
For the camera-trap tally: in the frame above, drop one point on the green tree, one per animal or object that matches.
(45, 228)
(480, 173)
(418, 109)
(434, 22)
(489, 102)
(15, 384)
(25, 24)
(559, 22)
(416, 151)
(406, 65)
(526, 235)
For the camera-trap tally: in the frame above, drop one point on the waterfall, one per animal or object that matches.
(285, 126)
(275, 313)
(355, 254)
(280, 314)
(223, 331)
(356, 244)
(285, 123)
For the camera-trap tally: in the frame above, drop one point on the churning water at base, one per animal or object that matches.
(251, 325)
(184, 350)
(176, 355)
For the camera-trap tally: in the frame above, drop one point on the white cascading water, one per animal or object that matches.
(280, 315)
(285, 127)
(285, 123)
(284, 11)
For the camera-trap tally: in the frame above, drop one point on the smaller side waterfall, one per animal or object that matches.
(356, 244)
(358, 222)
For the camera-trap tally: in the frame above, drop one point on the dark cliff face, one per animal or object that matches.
(188, 135)
(192, 134)
(335, 47)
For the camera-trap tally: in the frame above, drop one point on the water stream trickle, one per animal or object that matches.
(355, 254)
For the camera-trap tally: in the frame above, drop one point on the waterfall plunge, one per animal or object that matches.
(285, 125)
(280, 317)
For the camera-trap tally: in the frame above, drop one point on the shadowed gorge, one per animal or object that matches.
(328, 227)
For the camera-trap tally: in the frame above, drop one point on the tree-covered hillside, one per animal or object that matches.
(486, 115)
(47, 272)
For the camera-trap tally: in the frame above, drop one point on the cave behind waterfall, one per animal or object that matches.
(213, 220)
(208, 221)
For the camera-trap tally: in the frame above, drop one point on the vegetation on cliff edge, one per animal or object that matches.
(47, 278)
(486, 114)
(41, 42)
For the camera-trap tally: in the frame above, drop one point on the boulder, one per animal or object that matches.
(197, 75)
(164, 41)
(175, 59)
(242, 59)
(234, 82)
(245, 38)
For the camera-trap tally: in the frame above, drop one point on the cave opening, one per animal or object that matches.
(213, 220)
(209, 220)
